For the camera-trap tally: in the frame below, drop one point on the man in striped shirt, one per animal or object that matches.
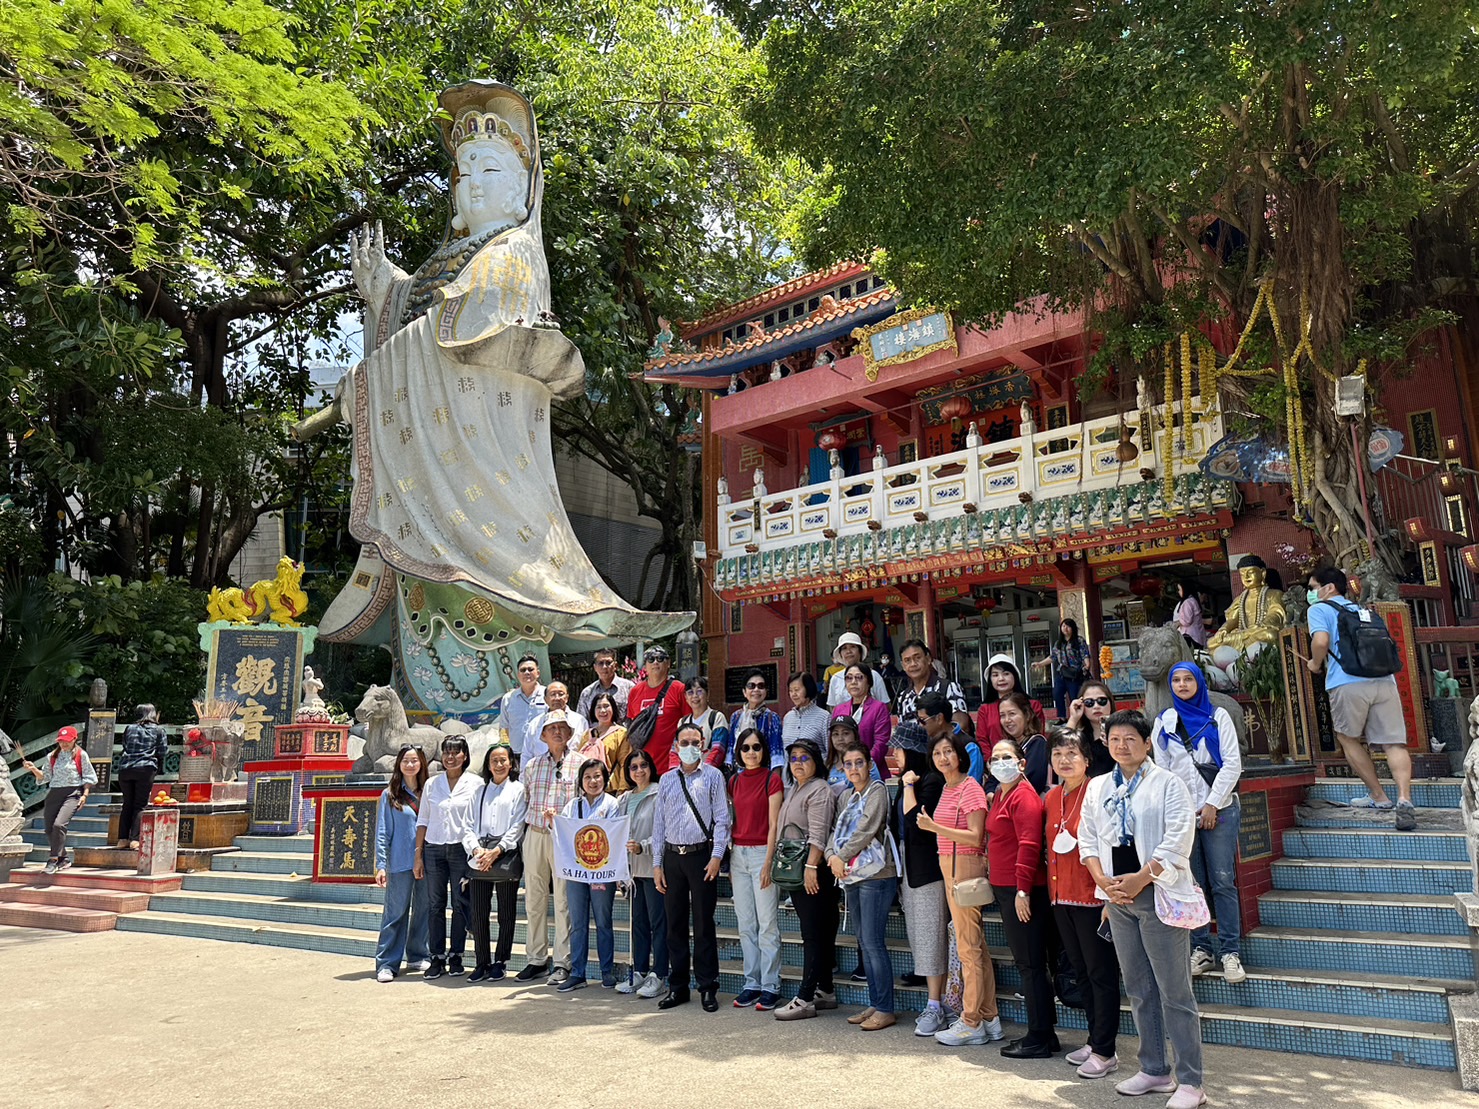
(551, 780)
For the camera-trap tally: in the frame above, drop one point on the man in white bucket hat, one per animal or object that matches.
(850, 649)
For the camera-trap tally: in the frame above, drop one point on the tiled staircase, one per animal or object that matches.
(89, 828)
(1360, 941)
(1359, 947)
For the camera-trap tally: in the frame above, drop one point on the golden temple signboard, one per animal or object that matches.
(905, 337)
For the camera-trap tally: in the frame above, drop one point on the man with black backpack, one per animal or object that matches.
(1360, 660)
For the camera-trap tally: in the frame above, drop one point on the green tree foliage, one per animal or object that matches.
(145, 642)
(178, 183)
(1152, 164)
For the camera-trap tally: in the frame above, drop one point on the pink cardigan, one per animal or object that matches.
(875, 726)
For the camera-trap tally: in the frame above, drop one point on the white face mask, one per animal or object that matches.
(1064, 842)
(1005, 771)
(690, 755)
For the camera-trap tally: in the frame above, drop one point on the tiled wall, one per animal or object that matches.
(1285, 791)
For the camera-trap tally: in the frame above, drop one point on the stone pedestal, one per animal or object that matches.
(159, 840)
(13, 853)
(275, 792)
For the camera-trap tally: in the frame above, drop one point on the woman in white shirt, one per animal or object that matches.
(1135, 837)
(1198, 742)
(494, 837)
(588, 901)
(444, 819)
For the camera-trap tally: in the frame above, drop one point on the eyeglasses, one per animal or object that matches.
(854, 764)
(748, 747)
(800, 758)
(1096, 702)
(755, 685)
(603, 663)
(690, 743)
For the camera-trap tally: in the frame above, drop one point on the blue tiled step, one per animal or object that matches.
(1342, 993)
(263, 862)
(272, 844)
(1375, 843)
(281, 885)
(1439, 957)
(1376, 1041)
(1371, 876)
(1338, 816)
(1361, 912)
(304, 937)
(79, 823)
(75, 837)
(277, 910)
(1433, 793)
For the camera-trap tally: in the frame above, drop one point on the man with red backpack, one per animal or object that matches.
(1360, 661)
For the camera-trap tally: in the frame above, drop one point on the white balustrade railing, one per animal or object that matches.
(1044, 464)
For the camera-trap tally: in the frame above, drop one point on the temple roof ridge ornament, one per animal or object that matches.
(712, 358)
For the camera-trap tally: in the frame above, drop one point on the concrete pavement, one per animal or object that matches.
(132, 1020)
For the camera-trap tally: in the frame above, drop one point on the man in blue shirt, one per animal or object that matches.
(1364, 711)
(520, 707)
(690, 831)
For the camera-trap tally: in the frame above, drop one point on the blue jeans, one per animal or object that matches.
(1065, 689)
(403, 924)
(446, 866)
(587, 901)
(649, 929)
(868, 903)
(757, 911)
(1214, 864)
(1155, 960)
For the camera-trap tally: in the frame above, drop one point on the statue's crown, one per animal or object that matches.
(473, 125)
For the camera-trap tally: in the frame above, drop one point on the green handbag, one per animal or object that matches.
(788, 864)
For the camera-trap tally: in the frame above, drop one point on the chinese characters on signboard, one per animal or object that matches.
(260, 669)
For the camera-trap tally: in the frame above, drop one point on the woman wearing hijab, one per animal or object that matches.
(1002, 678)
(1197, 741)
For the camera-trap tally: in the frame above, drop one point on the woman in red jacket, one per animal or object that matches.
(1077, 908)
(874, 724)
(1014, 831)
(1002, 678)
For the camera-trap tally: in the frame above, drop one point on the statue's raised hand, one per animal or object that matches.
(373, 272)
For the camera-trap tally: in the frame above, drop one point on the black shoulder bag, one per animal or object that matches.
(508, 867)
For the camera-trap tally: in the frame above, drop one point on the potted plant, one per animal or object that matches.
(1262, 679)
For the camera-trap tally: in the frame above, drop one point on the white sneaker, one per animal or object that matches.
(961, 1034)
(930, 1021)
(1080, 1057)
(651, 986)
(630, 983)
(1201, 962)
(419, 965)
(385, 974)
(1232, 969)
(993, 1028)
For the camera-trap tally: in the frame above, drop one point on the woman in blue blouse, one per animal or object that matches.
(403, 923)
(764, 720)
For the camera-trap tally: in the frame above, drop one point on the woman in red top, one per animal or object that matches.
(1014, 828)
(871, 714)
(1002, 678)
(756, 793)
(1077, 908)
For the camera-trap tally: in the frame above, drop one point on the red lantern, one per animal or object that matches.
(956, 409)
(830, 439)
(868, 629)
(1146, 586)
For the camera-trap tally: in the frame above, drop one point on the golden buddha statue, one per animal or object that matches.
(1254, 618)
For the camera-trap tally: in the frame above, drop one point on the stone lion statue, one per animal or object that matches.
(388, 729)
(1162, 648)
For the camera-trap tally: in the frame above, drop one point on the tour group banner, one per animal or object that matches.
(591, 850)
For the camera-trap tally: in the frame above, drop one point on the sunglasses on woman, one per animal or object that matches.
(1096, 702)
(748, 747)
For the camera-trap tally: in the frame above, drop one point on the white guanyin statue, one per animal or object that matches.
(468, 557)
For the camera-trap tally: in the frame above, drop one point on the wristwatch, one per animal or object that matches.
(1021, 893)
